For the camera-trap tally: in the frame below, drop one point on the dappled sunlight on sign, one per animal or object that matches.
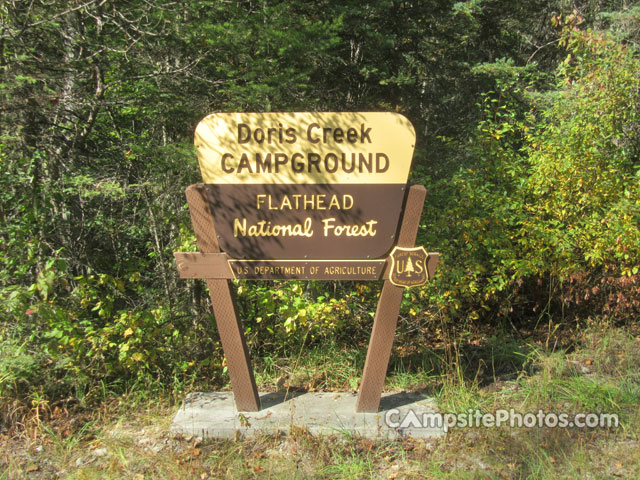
(304, 148)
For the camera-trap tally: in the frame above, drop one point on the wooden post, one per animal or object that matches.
(386, 318)
(224, 308)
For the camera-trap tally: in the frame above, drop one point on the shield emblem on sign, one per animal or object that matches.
(409, 267)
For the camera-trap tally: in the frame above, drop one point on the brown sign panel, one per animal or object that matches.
(308, 270)
(318, 221)
(305, 185)
(409, 267)
(220, 266)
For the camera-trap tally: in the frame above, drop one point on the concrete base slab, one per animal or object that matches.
(214, 415)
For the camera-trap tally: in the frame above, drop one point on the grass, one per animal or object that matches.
(329, 368)
(596, 371)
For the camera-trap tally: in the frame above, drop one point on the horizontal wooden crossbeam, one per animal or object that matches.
(203, 265)
(220, 266)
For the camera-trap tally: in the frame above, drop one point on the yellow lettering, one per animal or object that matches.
(320, 202)
(240, 228)
(309, 202)
(349, 230)
(328, 224)
(266, 229)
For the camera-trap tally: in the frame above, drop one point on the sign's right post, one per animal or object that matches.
(386, 318)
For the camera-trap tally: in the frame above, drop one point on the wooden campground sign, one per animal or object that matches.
(319, 196)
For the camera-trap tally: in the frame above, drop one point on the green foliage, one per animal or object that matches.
(546, 207)
(285, 315)
(583, 193)
(478, 226)
(19, 369)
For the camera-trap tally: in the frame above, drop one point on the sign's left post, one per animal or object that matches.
(224, 307)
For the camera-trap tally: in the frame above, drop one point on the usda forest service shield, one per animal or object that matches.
(409, 267)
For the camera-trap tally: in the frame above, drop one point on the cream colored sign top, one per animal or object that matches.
(305, 148)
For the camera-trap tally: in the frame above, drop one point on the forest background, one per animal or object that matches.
(528, 142)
